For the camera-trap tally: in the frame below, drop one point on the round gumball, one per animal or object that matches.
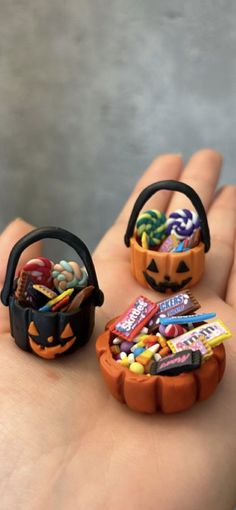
(125, 346)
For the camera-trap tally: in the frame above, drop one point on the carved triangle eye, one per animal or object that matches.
(32, 329)
(153, 267)
(182, 267)
(67, 331)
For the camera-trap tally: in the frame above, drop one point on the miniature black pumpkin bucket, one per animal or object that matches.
(173, 271)
(31, 328)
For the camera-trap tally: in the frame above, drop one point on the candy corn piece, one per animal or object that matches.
(139, 344)
(161, 340)
(145, 357)
(149, 340)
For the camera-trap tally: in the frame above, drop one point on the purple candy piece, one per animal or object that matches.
(126, 346)
(182, 223)
(162, 329)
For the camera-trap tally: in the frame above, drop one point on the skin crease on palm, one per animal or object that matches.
(66, 443)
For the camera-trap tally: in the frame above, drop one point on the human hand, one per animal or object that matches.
(66, 443)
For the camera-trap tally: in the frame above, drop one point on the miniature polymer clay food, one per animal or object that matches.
(68, 275)
(52, 306)
(162, 357)
(168, 252)
(151, 228)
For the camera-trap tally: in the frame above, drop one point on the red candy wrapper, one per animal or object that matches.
(134, 318)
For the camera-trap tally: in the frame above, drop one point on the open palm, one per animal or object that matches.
(66, 443)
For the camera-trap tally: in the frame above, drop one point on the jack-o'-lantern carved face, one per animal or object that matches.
(51, 344)
(173, 283)
(166, 272)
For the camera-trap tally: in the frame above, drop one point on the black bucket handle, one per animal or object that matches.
(181, 187)
(52, 233)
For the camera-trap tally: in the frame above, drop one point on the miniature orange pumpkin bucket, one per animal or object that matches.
(174, 270)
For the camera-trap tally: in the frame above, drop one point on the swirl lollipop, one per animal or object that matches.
(182, 223)
(67, 275)
(151, 228)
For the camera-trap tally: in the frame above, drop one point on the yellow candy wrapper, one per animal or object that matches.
(214, 333)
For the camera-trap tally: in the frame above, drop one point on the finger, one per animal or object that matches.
(202, 174)
(167, 166)
(231, 287)
(222, 224)
(12, 233)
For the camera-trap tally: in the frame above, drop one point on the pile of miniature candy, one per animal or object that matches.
(179, 232)
(49, 287)
(165, 338)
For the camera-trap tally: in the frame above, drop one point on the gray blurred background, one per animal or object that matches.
(91, 91)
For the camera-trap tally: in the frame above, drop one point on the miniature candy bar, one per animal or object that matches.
(182, 223)
(24, 284)
(179, 304)
(60, 304)
(176, 345)
(55, 300)
(80, 298)
(170, 243)
(134, 318)
(175, 364)
(186, 318)
(214, 333)
(153, 224)
(39, 295)
(42, 289)
(193, 240)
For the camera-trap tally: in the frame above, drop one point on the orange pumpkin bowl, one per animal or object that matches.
(169, 394)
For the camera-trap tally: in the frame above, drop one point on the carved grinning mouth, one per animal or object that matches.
(50, 352)
(164, 286)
